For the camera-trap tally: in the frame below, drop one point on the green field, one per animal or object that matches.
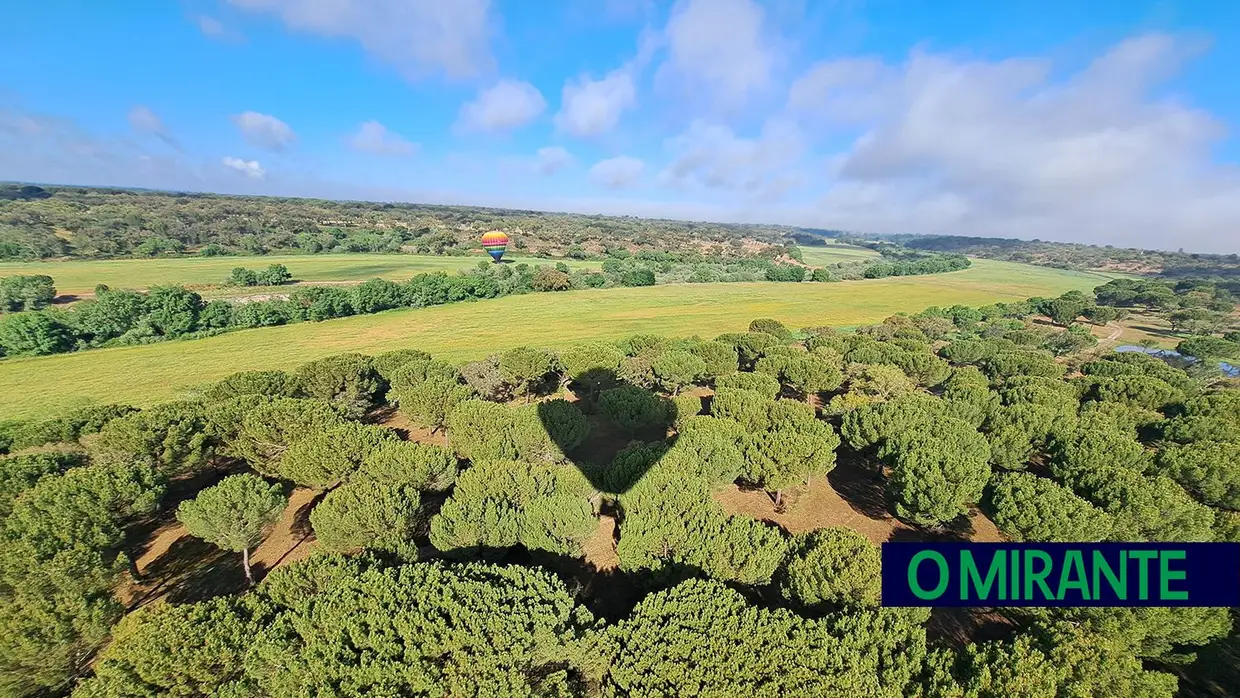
(79, 277)
(832, 253)
(141, 375)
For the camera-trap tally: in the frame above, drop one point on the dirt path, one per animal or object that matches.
(181, 568)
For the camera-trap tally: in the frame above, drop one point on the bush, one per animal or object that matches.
(25, 293)
(34, 334)
(269, 383)
(775, 328)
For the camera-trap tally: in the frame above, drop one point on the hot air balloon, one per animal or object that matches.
(495, 243)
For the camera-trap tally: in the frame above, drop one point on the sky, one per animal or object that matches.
(1110, 122)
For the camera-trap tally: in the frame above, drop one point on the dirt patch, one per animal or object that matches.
(409, 430)
(176, 566)
(812, 506)
(291, 538)
(599, 550)
(958, 627)
(852, 496)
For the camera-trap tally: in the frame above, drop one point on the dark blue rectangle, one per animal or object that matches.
(1197, 574)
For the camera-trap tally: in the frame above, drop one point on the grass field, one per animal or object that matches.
(144, 374)
(832, 253)
(79, 277)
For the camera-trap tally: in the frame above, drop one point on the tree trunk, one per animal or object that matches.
(133, 567)
(245, 562)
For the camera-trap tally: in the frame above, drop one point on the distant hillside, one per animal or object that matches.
(43, 222)
(1066, 255)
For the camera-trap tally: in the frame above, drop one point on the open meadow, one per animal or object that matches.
(832, 253)
(79, 277)
(141, 375)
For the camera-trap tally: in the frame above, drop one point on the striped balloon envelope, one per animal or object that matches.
(495, 243)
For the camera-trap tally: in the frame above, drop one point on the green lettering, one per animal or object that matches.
(944, 575)
(1143, 574)
(970, 574)
(1118, 584)
(1074, 565)
(1166, 575)
(1015, 593)
(1038, 577)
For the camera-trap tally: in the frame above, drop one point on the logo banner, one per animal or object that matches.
(1061, 574)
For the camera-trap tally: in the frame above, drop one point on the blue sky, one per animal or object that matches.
(1103, 122)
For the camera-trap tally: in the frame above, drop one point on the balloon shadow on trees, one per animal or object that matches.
(623, 418)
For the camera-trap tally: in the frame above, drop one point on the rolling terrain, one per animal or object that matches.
(141, 375)
(79, 277)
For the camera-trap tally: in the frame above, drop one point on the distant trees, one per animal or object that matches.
(273, 275)
(233, 514)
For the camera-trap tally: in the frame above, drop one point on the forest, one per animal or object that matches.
(459, 562)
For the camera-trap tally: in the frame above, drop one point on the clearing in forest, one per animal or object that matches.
(141, 375)
(79, 277)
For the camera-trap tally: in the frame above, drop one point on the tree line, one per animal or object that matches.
(117, 317)
(1067, 255)
(952, 408)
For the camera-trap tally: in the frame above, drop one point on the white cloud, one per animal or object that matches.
(249, 168)
(210, 26)
(713, 157)
(551, 160)
(373, 137)
(415, 36)
(1000, 149)
(213, 28)
(264, 130)
(143, 120)
(506, 105)
(592, 107)
(719, 47)
(618, 172)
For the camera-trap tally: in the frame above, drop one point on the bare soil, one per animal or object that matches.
(852, 495)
